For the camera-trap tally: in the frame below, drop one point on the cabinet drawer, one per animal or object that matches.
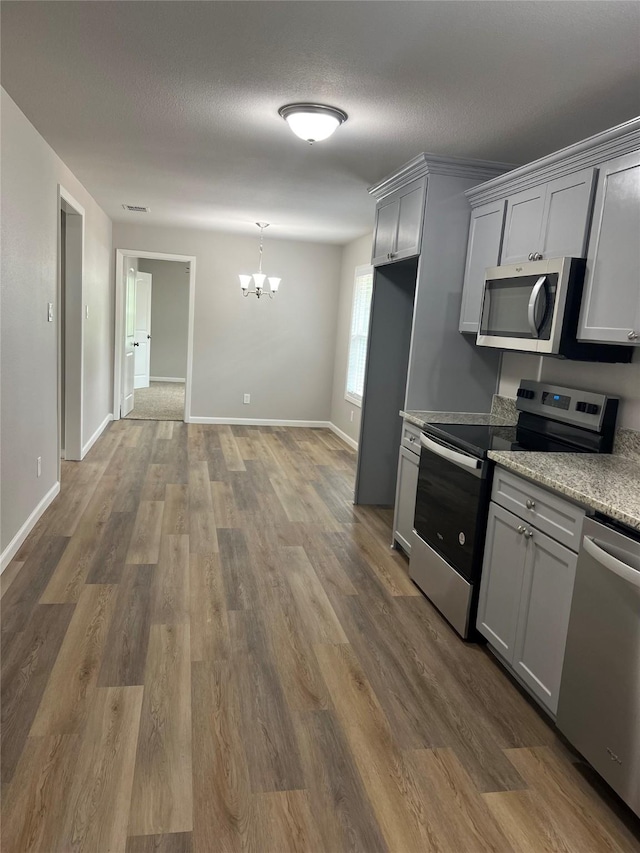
(553, 515)
(411, 437)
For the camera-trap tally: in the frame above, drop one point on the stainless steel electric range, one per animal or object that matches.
(454, 485)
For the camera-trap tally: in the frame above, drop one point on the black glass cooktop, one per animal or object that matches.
(476, 439)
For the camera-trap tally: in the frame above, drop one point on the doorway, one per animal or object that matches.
(154, 330)
(70, 325)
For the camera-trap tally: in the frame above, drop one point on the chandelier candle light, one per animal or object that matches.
(259, 277)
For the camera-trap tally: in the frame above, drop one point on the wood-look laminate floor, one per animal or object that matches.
(206, 647)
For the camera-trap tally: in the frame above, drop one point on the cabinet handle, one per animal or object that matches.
(633, 336)
(537, 256)
(530, 504)
(521, 529)
(392, 255)
(528, 534)
(530, 256)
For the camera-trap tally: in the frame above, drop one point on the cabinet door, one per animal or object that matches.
(384, 237)
(410, 215)
(611, 300)
(567, 215)
(406, 499)
(501, 583)
(543, 619)
(483, 250)
(523, 224)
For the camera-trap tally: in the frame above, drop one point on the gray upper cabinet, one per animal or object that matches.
(483, 250)
(398, 227)
(611, 300)
(551, 220)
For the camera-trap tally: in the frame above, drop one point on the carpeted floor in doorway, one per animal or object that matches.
(161, 401)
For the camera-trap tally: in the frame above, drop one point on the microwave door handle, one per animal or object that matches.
(447, 453)
(532, 311)
(610, 562)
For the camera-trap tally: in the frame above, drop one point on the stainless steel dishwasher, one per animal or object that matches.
(599, 705)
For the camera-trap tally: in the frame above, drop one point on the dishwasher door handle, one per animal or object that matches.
(447, 453)
(627, 573)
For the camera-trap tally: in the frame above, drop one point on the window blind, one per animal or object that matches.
(360, 312)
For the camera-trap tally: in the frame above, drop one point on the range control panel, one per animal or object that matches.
(582, 408)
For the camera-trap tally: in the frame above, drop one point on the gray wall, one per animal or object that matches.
(169, 317)
(354, 254)
(281, 351)
(621, 380)
(31, 172)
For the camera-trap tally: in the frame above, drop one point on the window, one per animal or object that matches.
(362, 292)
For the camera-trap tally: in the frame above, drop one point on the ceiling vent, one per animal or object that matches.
(135, 208)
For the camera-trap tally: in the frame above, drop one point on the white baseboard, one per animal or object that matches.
(12, 548)
(87, 447)
(346, 438)
(194, 419)
(166, 379)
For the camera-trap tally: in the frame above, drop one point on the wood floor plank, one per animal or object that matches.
(323, 626)
(25, 591)
(73, 567)
(285, 818)
(203, 538)
(162, 799)
(208, 614)
(155, 482)
(343, 813)
(110, 556)
(27, 661)
(145, 539)
(222, 797)
(561, 811)
(68, 508)
(97, 808)
(72, 682)
(165, 430)
(225, 510)
(240, 585)
(9, 575)
(176, 509)
(33, 804)
(174, 842)
(125, 654)
(232, 456)
(171, 599)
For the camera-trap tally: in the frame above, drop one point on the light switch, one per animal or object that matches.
(50, 312)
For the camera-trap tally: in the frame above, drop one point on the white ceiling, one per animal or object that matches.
(174, 104)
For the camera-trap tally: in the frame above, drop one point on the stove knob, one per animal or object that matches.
(587, 408)
(526, 393)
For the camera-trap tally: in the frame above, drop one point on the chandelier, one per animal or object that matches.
(259, 277)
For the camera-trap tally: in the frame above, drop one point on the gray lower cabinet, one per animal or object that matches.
(483, 250)
(405, 499)
(525, 601)
(398, 226)
(551, 219)
(611, 300)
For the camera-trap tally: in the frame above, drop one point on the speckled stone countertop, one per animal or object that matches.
(419, 419)
(606, 483)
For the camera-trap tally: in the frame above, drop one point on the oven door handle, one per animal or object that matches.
(532, 311)
(460, 459)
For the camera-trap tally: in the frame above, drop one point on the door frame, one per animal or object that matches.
(74, 331)
(148, 353)
(121, 254)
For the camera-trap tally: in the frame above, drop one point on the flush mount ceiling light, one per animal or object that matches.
(312, 122)
(259, 277)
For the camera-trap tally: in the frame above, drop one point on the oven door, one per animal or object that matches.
(523, 304)
(450, 504)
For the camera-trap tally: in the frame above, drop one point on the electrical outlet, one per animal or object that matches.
(351, 416)
(39, 466)
(50, 312)
(247, 399)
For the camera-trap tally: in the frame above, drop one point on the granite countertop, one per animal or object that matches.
(607, 483)
(420, 419)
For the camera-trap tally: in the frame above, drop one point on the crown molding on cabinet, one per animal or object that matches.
(433, 164)
(597, 149)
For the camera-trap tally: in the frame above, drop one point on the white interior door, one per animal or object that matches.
(142, 337)
(129, 338)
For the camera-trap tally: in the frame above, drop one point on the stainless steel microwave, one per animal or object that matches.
(534, 307)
